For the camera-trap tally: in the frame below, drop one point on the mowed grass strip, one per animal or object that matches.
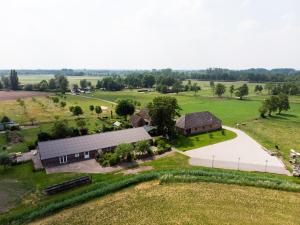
(185, 143)
(197, 203)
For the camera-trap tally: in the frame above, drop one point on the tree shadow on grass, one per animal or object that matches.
(283, 116)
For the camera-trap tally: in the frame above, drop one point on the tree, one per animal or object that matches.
(5, 82)
(263, 110)
(61, 83)
(77, 110)
(124, 151)
(242, 91)
(60, 129)
(125, 107)
(148, 81)
(99, 84)
(83, 83)
(220, 89)
(63, 104)
(4, 159)
(98, 110)
(163, 110)
(51, 84)
(92, 108)
(212, 86)
(1, 85)
(283, 103)
(231, 90)
(271, 104)
(5, 119)
(14, 80)
(195, 88)
(55, 99)
(43, 85)
(177, 87)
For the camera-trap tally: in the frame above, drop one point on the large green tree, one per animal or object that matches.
(283, 103)
(163, 110)
(220, 89)
(125, 107)
(61, 83)
(242, 91)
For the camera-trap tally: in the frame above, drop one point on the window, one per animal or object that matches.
(76, 155)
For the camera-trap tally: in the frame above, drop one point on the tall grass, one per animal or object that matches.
(229, 177)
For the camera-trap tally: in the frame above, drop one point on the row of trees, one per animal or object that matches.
(274, 103)
(220, 89)
(10, 82)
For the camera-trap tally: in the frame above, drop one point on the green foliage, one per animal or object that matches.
(142, 147)
(220, 89)
(98, 110)
(4, 159)
(163, 111)
(63, 104)
(55, 99)
(124, 152)
(92, 108)
(242, 91)
(80, 123)
(125, 107)
(83, 83)
(231, 90)
(60, 129)
(5, 119)
(13, 80)
(76, 110)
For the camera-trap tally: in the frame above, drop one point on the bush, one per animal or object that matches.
(109, 159)
(31, 146)
(44, 136)
(84, 131)
(143, 147)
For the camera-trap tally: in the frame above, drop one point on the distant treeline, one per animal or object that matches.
(252, 75)
(215, 74)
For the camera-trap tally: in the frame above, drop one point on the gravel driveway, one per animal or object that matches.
(242, 153)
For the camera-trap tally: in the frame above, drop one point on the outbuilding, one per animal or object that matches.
(74, 149)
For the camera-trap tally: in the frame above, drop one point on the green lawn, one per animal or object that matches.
(185, 143)
(194, 203)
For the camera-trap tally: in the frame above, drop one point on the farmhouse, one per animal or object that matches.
(141, 118)
(198, 122)
(68, 150)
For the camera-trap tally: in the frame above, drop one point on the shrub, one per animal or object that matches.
(143, 147)
(44, 136)
(109, 159)
(55, 99)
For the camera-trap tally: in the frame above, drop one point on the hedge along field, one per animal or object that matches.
(245, 179)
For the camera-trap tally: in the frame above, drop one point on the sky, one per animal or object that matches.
(148, 34)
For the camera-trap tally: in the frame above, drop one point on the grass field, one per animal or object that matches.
(185, 143)
(197, 203)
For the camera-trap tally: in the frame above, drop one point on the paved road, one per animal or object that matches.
(242, 153)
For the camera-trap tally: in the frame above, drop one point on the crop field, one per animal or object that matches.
(32, 79)
(195, 203)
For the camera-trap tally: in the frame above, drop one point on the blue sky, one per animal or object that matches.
(146, 34)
